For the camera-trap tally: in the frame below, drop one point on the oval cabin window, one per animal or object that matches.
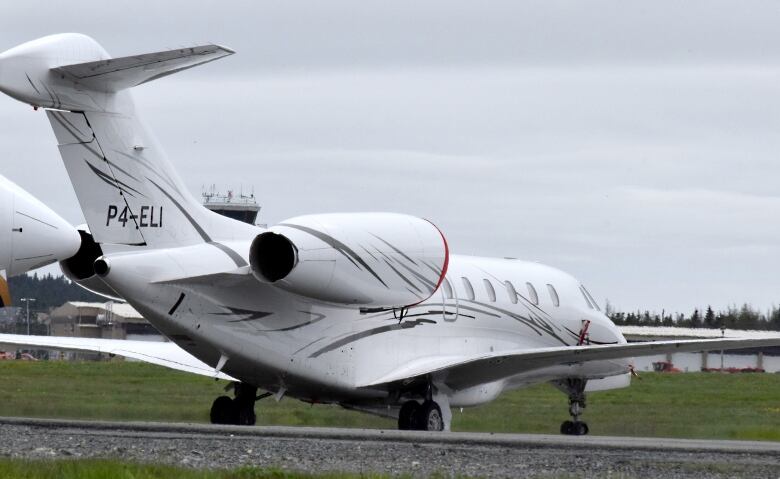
(489, 289)
(532, 296)
(510, 290)
(556, 301)
(468, 288)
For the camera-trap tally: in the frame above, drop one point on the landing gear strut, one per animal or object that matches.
(239, 410)
(575, 388)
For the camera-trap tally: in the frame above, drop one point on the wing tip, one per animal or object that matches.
(227, 50)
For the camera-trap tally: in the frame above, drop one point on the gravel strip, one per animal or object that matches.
(390, 452)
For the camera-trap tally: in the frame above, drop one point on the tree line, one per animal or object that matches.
(733, 317)
(49, 291)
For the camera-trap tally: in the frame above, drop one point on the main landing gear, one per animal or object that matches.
(421, 417)
(575, 388)
(239, 410)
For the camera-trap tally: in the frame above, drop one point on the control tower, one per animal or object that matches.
(240, 207)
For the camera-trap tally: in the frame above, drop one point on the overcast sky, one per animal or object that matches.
(632, 144)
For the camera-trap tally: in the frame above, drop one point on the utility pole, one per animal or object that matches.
(722, 335)
(27, 302)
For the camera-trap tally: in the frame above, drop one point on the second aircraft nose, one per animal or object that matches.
(38, 235)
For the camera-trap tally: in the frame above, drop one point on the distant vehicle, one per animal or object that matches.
(366, 310)
(5, 355)
(665, 367)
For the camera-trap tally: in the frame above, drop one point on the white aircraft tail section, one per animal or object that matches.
(127, 189)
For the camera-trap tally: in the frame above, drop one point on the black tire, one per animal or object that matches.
(407, 415)
(567, 428)
(246, 417)
(223, 411)
(582, 429)
(429, 418)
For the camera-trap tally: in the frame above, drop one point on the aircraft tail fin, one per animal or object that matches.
(128, 191)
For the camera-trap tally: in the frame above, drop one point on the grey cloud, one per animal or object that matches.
(295, 34)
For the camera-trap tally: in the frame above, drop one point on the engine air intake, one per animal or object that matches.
(272, 256)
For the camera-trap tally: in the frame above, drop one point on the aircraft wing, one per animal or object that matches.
(460, 373)
(163, 354)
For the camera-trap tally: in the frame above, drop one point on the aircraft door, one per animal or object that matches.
(449, 301)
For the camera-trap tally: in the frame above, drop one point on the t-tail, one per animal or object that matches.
(127, 189)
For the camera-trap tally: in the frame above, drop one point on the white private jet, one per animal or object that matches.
(366, 310)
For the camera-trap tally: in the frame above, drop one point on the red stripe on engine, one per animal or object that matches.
(446, 256)
(443, 269)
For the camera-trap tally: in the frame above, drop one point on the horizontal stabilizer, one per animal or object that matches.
(117, 74)
(467, 371)
(165, 354)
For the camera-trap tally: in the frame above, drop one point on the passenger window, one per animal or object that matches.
(447, 288)
(553, 295)
(490, 291)
(593, 301)
(510, 290)
(584, 295)
(469, 289)
(532, 293)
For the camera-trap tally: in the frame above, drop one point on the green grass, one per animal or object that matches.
(108, 469)
(114, 469)
(692, 405)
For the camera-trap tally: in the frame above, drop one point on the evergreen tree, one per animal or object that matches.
(696, 319)
(709, 318)
(49, 291)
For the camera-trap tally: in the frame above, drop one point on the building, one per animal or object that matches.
(767, 359)
(110, 320)
(240, 207)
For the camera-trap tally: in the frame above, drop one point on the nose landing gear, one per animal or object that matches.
(575, 388)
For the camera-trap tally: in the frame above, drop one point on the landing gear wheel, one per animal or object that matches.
(407, 415)
(223, 411)
(429, 418)
(244, 404)
(246, 417)
(574, 428)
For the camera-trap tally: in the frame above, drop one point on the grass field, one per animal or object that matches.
(692, 405)
(106, 469)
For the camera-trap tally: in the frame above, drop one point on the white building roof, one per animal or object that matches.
(120, 309)
(673, 332)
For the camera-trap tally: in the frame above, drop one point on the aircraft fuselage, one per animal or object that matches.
(319, 352)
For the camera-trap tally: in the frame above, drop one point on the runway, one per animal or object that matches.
(390, 452)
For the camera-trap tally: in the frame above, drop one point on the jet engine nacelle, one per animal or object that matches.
(374, 260)
(31, 234)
